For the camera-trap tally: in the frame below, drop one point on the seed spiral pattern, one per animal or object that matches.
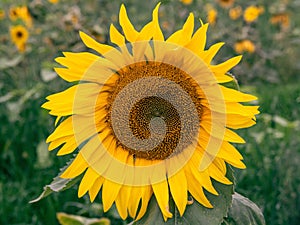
(147, 106)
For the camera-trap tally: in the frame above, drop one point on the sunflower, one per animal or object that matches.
(21, 12)
(19, 36)
(251, 13)
(14, 13)
(244, 46)
(281, 18)
(53, 1)
(2, 14)
(226, 3)
(235, 13)
(187, 2)
(212, 16)
(148, 116)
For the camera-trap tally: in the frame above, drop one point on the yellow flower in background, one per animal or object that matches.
(226, 3)
(150, 117)
(244, 46)
(251, 13)
(187, 2)
(53, 1)
(19, 36)
(14, 13)
(212, 16)
(235, 13)
(282, 19)
(2, 14)
(21, 12)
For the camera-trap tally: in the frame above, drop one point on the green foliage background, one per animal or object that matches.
(272, 152)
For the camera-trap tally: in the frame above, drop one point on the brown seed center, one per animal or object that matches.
(153, 107)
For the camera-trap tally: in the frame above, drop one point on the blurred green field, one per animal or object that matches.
(271, 71)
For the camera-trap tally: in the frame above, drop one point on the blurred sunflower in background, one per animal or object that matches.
(149, 117)
(19, 36)
(235, 13)
(2, 14)
(21, 12)
(282, 19)
(244, 46)
(251, 13)
(226, 3)
(187, 2)
(212, 14)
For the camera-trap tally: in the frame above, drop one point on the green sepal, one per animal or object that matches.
(58, 184)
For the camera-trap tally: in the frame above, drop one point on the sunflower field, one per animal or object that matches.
(39, 38)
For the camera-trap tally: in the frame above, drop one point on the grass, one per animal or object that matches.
(272, 155)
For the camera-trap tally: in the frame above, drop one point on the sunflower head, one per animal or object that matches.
(2, 14)
(212, 14)
(235, 13)
(226, 3)
(148, 116)
(251, 13)
(19, 36)
(244, 46)
(21, 12)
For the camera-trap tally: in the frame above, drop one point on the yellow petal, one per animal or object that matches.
(116, 37)
(198, 41)
(135, 198)
(91, 43)
(64, 129)
(223, 78)
(77, 59)
(146, 33)
(197, 192)
(130, 33)
(211, 52)
(110, 191)
(94, 190)
(178, 188)
(157, 33)
(231, 155)
(183, 36)
(57, 142)
(239, 122)
(147, 193)
(69, 147)
(231, 136)
(225, 66)
(122, 201)
(87, 181)
(161, 192)
(76, 168)
(229, 150)
(202, 178)
(217, 174)
(236, 96)
(78, 99)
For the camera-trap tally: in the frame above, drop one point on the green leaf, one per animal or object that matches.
(67, 219)
(58, 184)
(194, 213)
(243, 212)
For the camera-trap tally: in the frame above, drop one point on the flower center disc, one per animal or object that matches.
(144, 110)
